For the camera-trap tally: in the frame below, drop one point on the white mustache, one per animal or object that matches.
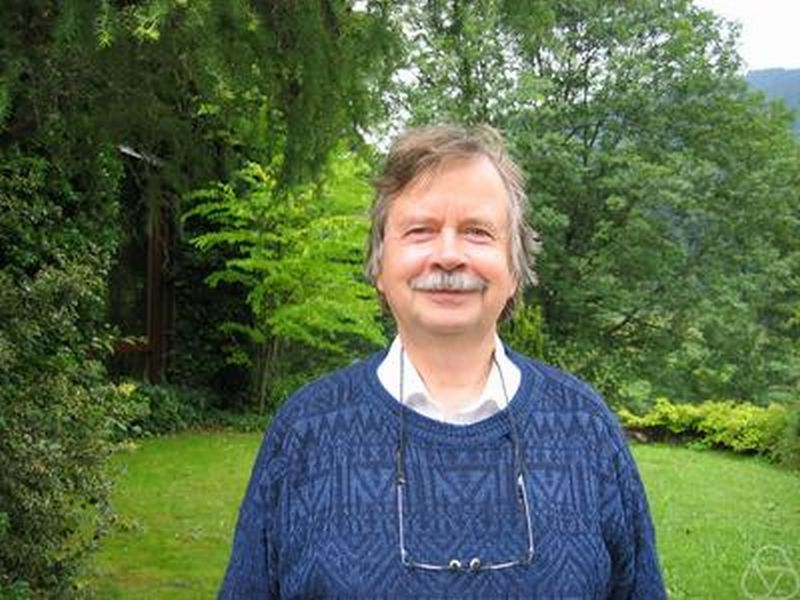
(442, 280)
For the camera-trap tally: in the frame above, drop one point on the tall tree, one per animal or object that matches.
(658, 181)
(198, 90)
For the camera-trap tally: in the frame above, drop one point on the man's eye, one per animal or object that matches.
(478, 232)
(418, 231)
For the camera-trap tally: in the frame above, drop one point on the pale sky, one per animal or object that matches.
(770, 35)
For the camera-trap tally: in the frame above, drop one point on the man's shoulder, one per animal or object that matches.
(567, 404)
(561, 390)
(332, 391)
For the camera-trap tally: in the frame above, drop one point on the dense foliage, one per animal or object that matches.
(58, 185)
(297, 255)
(144, 409)
(739, 426)
(189, 93)
(665, 191)
(55, 399)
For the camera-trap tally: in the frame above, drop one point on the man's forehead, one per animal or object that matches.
(442, 185)
(428, 175)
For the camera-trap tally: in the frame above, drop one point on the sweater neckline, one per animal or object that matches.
(419, 426)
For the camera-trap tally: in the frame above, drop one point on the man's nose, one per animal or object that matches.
(449, 250)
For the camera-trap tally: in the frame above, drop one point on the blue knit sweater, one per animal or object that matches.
(320, 516)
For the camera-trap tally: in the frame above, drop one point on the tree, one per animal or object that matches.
(298, 256)
(199, 89)
(658, 181)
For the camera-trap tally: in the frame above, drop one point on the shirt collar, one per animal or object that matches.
(417, 397)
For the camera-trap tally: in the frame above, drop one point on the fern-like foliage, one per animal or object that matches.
(298, 256)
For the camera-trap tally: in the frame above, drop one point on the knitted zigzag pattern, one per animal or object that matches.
(320, 516)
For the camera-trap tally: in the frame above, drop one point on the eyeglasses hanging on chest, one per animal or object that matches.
(464, 563)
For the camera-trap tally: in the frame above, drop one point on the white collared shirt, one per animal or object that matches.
(418, 398)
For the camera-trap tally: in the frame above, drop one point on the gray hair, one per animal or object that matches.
(419, 152)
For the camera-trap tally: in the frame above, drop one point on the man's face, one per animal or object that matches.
(445, 266)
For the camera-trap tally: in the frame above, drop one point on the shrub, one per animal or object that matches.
(57, 238)
(128, 411)
(523, 332)
(17, 590)
(742, 427)
(249, 422)
(739, 426)
(53, 425)
(788, 447)
(675, 418)
(145, 409)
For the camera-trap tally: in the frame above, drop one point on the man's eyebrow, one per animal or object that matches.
(482, 222)
(415, 218)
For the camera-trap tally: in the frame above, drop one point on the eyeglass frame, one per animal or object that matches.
(475, 565)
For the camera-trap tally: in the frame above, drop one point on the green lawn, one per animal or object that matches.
(715, 514)
(177, 497)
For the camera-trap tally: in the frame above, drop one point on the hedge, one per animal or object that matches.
(773, 431)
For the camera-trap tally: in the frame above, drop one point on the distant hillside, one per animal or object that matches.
(779, 83)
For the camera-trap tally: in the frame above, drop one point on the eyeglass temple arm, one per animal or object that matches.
(399, 466)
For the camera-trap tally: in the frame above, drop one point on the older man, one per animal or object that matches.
(446, 465)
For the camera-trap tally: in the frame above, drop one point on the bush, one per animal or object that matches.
(742, 427)
(129, 410)
(773, 431)
(787, 450)
(57, 238)
(18, 590)
(249, 422)
(53, 428)
(523, 332)
(675, 418)
(142, 410)
(145, 409)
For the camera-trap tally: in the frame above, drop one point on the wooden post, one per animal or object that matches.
(154, 369)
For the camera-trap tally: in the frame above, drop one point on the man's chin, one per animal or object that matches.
(450, 325)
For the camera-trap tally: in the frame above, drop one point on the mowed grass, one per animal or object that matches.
(715, 514)
(177, 499)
